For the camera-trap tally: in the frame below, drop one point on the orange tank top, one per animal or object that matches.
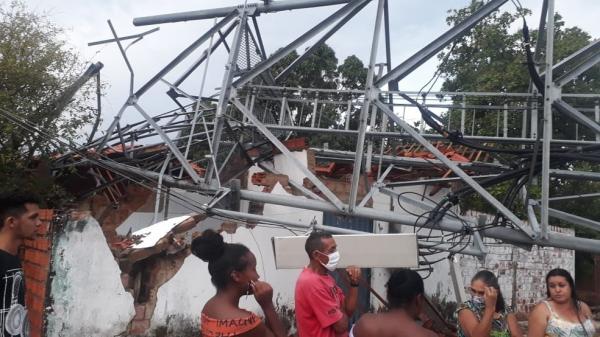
(211, 327)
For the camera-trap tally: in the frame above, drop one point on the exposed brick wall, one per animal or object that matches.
(35, 257)
(527, 285)
(112, 216)
(341, 187)
(155, 270)
(152, 272)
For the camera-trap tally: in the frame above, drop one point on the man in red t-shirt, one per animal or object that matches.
(322, 309)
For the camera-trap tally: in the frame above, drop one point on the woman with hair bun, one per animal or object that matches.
(486, 314)
(232, 268)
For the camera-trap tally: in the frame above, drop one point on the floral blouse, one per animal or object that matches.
(499, 323)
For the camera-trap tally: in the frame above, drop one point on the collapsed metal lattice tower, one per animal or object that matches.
(254, 112)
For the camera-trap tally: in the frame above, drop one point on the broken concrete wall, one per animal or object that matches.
(86, 292)
(179, 301)
(178, 294)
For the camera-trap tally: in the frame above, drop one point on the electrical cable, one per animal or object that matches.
(183, 200)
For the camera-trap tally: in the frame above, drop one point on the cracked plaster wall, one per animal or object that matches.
(86, 292)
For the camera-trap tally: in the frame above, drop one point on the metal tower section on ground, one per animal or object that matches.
(253, 111)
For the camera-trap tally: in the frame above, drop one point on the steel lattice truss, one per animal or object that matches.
(254, 113)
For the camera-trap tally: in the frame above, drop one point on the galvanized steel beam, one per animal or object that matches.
(370, 95)
(456, 169)
(258, 8)
(505, 234)
(440, 43)
(275, 141)
(281, 53)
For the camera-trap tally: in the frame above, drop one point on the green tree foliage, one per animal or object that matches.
(491, 58)
(318, 70)
(321, 70)
(36, 66)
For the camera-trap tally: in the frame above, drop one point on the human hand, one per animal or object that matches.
(263, 293)
(354, 274)
(490, 297)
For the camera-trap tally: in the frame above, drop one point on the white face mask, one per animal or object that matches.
(334, 258)
(479, 300)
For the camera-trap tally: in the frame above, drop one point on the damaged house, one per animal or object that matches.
(260, 158)
(115, 259)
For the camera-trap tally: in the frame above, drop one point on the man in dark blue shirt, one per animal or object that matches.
(19, 219)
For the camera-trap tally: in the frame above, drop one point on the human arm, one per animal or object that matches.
(260, 331)
(513, 325)
(351, 301)
(273, 322)
(263, 293)
(585, 310)
(189, 223)
(472, 327)
(342, 324)
(538, 320)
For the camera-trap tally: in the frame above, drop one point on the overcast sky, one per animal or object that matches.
(413, 25)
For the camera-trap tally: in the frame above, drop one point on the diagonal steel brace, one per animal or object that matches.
(455, 168)
(275, 141)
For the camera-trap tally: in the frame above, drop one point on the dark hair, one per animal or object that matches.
(314, 241)
(13, 204)
(222, 257)
(491, 281)
(569, 278)
(403, 286)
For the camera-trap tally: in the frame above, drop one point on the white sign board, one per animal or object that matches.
(361, 250)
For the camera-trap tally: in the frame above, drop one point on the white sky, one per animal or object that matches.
(413, 25)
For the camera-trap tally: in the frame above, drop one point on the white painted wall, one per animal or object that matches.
(87, 293)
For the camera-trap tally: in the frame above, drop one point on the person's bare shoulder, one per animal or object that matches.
(428, 333)
(415, 330)
(366, 326)
(540, 310)
(585, 309)
(216, 310)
